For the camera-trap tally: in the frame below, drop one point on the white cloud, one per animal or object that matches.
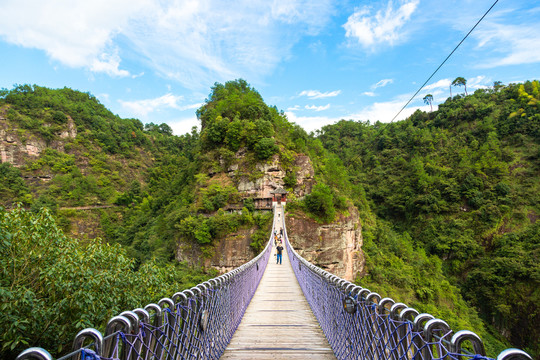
(195, 42)
(316, 94)
(311, 123)
(294, 108)
(74, 33)
(141, 108)
(441, 88)
(479, 82)
(443, 83)
(378, 111)
(369, 93)
(183, 126)
(516, 43)
(301, 11)
(384, 26)
(108, 64)
(318, 108)
(212, 40)
(440, 91)
(385, 111)
(382, 83)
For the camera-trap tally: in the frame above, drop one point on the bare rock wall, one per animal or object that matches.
(335, 247)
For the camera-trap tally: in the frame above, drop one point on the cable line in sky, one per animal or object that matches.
(424, 84)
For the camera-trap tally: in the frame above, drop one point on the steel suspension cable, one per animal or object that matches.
(457, 46)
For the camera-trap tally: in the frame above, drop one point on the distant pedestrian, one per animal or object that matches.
(279, 253)
(281, 231)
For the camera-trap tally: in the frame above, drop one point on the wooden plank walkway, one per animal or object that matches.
(278, 323)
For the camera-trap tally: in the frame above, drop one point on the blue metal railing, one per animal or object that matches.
(193, 324)
(199, 323)
(359, 324)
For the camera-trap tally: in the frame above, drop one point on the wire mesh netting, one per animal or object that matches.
(199, 323)
(359, 324)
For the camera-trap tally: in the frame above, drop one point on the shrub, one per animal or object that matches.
(265, 148)
(52, 286)
(320, 202)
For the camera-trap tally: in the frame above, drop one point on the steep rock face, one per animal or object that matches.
(234, 250)
(304, 176)
(335, 247)
(16, 148)
(271, 177)
(230, 252)
(13, 150)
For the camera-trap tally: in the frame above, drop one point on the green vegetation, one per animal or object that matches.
(331, 194)
(168, 185)
(460, 188)
(448, 201)
(235, 116)
(12, 186)
(262, 234)
(52, 286)
(98, 155)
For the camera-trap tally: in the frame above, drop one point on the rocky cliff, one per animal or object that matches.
(270, 176)
(229, 253)
(252, 182)
(335, 247)
(18, 145)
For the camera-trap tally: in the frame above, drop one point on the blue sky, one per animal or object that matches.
(318, 60)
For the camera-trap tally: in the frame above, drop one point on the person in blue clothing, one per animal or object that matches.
(279, 249)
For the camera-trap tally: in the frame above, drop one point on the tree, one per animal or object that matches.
(265, 148)
(12, 186)
(320, 202)
(53, 286)
(428, 99)
(459, 81)
(165, 129)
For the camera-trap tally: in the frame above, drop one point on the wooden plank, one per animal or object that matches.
(278, 323)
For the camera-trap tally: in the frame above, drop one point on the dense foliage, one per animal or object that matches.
(87, 151)
(52, 286)
(460, 183)
(448, 201)
(236, 116)
(12, 186)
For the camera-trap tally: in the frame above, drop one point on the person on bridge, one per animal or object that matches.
(279, 254)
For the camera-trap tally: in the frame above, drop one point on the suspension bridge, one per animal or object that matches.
(264, 310)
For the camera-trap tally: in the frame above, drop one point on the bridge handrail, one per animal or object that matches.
(196, 323)
(359, 324)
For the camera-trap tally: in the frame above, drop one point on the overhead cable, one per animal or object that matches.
(424, 84)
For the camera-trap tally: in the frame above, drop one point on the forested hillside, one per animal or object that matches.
(448, 200)
(53, 286)
(86, 156)
(146, 189)
(460, 184)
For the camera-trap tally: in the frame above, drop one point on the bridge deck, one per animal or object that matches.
(278, 323)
